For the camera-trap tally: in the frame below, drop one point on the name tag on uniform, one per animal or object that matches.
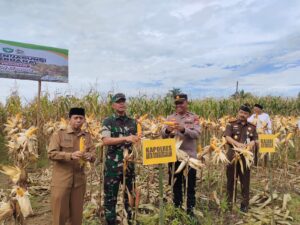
(189, 123)
(67, 140)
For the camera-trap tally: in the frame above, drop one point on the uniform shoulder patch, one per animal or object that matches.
(107, 120)
(233, 120)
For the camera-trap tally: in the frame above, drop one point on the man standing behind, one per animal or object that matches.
(239, 133)
(263, 125)
(68, 179)
(186, 126)
(261, 120)
(118, 132)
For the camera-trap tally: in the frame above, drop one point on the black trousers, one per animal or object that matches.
(179, 187)
(244, 179)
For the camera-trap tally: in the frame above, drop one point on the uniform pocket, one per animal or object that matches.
(236, 134)
(67, 146)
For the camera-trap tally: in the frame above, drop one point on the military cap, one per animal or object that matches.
(245, 108)
(118, 97)
(180, 97)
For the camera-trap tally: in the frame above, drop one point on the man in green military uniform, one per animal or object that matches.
(239, 133)
(118, 133)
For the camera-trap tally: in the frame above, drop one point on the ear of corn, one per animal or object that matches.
(181, 166)
(139, 129)
(24, 202)
(82, 144)
(20, 191)
(169, 123)
(82, 148)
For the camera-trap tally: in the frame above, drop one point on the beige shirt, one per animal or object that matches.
(190, 135)
(67, 172)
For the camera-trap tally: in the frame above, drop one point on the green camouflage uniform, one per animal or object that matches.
(117, 126)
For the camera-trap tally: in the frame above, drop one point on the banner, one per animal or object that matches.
(158, 151)
(33, 62)
(266, 143)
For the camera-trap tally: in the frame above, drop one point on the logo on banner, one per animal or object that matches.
(19, 51)
(8, 50)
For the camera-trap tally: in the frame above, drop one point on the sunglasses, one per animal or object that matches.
(179, 103)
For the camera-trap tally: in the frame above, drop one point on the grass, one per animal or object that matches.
(294, 207)
(3, 151)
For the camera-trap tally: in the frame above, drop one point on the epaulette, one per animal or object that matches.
(252, 124)
(232, 120)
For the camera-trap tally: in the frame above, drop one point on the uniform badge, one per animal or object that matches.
(235, 137)
(189, 123)
(249, 128)
(236, 127)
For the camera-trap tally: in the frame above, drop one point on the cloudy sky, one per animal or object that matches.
(150, 46)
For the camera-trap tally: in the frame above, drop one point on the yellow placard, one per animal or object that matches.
(266, 143)
(159, 151)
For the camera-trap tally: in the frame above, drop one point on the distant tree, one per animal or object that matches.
(241, 94)
(173, 92)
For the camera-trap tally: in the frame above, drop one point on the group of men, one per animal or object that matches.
(119, 132)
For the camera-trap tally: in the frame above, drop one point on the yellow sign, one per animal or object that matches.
(266, 143)
(159, 151)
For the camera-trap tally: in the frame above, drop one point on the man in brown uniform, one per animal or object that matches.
(68, 179)
(187, 128)
(240, 133)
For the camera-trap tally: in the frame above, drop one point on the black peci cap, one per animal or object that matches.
(76, 111)
(258, 106)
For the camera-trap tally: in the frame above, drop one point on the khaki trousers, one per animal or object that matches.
(67, 205)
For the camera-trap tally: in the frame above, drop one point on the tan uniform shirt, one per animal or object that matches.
(67, 172)
(190, 135)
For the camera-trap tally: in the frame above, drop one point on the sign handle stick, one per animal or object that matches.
(38, 108)
(269, 165)
(161, 203)
(38, 104)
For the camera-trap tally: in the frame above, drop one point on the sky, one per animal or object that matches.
(151, 46)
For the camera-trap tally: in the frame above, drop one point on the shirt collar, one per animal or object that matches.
(184, 115)
(71, 131)
(240, 122)
(116, 116)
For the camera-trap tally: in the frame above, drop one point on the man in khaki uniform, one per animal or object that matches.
(240, 133)
(68, 179)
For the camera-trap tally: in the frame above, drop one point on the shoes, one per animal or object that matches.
(244, 208)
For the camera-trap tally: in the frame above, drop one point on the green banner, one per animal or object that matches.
(33, 62)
